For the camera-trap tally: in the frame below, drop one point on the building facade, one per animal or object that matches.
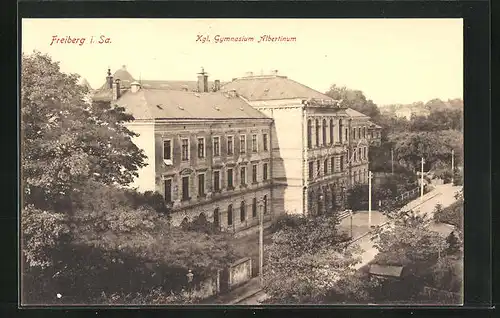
(208, 152)
(321, 147)
(226, 151)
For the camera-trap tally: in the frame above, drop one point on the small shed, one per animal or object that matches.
(387, 271)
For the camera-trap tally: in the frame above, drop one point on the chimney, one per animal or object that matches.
(217, 85)
(274, 72)
(124, 67)
(109, 79)
(249, 74)
(116, 89)
(202, 81)
(232, 93)
(135, 87)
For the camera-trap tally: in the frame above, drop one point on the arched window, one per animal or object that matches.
(331, 131)
(202, 217)
(242, 211)
(324, 132)
(264, 200)
(254, 207)
(185, 223)
(230, 215)
(309, 134)
(317, 133)
(340, 131)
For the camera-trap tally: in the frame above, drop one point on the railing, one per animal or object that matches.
(408, 195)
(343, 214)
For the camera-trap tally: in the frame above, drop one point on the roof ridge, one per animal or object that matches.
(328, 97)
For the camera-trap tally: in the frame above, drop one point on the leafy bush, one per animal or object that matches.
(114, 248)
(458, 178)
(452, 214)
(306, 259)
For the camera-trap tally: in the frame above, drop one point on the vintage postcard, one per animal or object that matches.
(241, 161)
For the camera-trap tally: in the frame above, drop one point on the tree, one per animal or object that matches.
(435, 104)
(117, 248)
(83, 234)
(425, 253)
(452, 214)
(66, 140)
(435, 147)
(354, 99)
(307, 261)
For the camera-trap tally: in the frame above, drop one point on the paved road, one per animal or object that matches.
(442, 194)
(252, 300)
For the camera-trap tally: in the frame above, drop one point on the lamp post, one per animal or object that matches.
(392, 160)
(370, 176)
(320, 208)
(190, 276)
(350, 214)
(261, 244)
(452, 165)
(422, 181)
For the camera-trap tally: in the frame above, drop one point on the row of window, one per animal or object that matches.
(185, 196)
(360, 154)
(314, 173)
(324, 128)
(243, 211)
(216, 141)
(360, 176)
(356, 133)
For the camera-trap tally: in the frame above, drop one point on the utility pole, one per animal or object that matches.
(392, 160)
(422, 181)
(261, 244)
(370, 175)
(452, 165)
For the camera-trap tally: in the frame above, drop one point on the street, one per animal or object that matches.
(442, 194)
(252, 300)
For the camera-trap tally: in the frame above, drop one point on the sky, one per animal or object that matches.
(391, 60)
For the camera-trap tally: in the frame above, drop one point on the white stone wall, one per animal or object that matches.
(145, 141)
(288, 167)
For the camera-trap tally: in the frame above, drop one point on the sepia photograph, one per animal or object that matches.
(253, 162)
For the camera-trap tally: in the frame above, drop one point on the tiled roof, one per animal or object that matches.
(123, 75)
(126, 79)
(105, 94)
(191, 86)
(354, 113)
(373, 125)
(170, 104)
(271, 87)
(386, 270)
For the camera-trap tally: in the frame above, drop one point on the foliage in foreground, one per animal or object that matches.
(111, 247)
(428, 260)
(308, 262)
(453, 214)
(84, 236)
